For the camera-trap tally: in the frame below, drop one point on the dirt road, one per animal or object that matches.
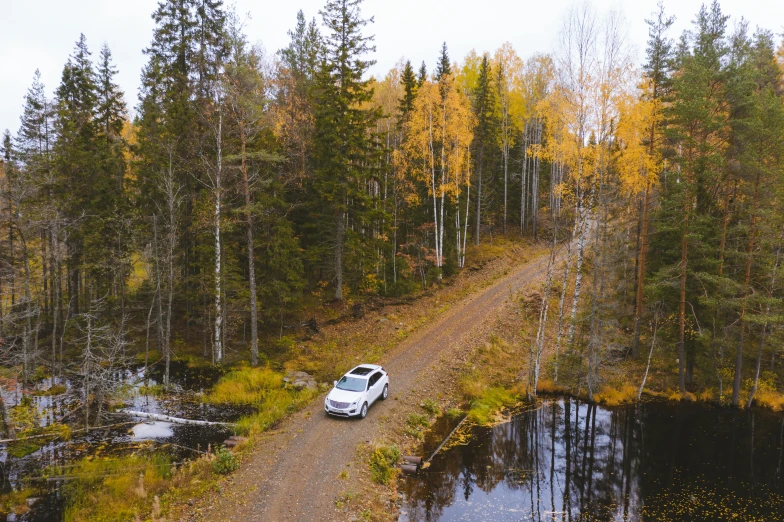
(293, 475)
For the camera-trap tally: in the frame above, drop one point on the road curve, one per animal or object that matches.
(292, 475)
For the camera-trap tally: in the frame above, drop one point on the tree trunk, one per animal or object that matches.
(746, 283)
(764, 332)
(254, 320)
(479, 199)
(650, 354)
(583, 216)
(641, 270)
(339, 236)
(567, 265)
(218, 180)
(682, 302)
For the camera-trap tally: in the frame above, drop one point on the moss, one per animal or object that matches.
(490, 402)
(57, 389)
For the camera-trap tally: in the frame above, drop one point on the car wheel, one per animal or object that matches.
(363, 411)
(385, 393)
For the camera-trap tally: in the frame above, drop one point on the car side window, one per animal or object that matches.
(374, 379)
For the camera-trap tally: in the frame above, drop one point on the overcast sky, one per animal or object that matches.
(40, 34)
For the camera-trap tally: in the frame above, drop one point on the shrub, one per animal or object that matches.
(382, 462)
(225, 462)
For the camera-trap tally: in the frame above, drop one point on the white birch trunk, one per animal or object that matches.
(218, 309)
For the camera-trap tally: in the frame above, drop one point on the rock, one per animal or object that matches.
(403, 517)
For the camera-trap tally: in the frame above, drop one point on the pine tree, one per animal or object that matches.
(656, 70)
(697, 117)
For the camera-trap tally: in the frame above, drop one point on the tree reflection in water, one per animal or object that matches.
(571, 460)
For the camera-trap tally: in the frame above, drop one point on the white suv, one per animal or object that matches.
(357, 390)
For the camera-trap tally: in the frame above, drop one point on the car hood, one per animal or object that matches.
(343, 395)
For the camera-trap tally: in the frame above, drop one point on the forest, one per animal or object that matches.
(249, 188)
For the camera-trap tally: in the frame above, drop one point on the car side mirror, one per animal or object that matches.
(334, 383)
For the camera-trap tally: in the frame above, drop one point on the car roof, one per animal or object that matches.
(363, 370)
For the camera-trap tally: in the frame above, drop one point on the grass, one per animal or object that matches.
(245, 386)
(549, 386)
(382, 462)
(612, 396)
(770, 399)
(454, 413)
(416, 425)
(430, 406)
(262, 389)
(113, 488)
(16, 501)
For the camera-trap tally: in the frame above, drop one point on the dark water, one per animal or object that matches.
(572, 461)
(180, 441)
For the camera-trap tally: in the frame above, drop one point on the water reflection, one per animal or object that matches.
(569, 460)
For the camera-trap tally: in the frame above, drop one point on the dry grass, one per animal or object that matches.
(612, 396)
(113, 489)
(549, 386)
(770, 399)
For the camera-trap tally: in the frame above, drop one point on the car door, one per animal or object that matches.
(373, 389)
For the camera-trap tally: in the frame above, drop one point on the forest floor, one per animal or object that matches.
(315, 467)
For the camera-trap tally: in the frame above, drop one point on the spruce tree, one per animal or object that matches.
(409, 82)
(485, 133)
(344, 145)
(443, 68)
(422, 75)
(77, 164)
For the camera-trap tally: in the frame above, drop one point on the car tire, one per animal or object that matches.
(385, 393)
(363, 411)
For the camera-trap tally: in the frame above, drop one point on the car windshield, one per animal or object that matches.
(351, 384)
